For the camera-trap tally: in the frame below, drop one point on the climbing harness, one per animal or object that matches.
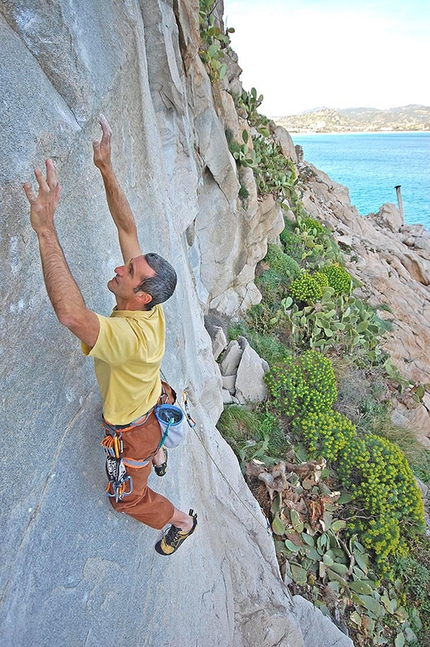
(120, 484)
(171, 421)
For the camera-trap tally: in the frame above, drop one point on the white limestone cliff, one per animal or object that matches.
(74, 572)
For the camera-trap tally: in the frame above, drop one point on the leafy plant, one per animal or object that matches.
(344, 323)
(306, 289)
(275, 174)
(338, 278)
(247, 104)
(326, 433)
(312, 226)
(252, 434)
(302, 385)
(324, 563)
(383, 488)
(308, 242)
(278, 270)
(242, 153)
(215, 43)
(280, 262)
(414, 571)
(292, 244)
(268, 346)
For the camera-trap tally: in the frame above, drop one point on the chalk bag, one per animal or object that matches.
(171, 421)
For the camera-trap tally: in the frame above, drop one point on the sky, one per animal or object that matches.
(306, 54)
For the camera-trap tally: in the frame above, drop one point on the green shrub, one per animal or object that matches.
(275, 174)
(312, 226)
(273, 281)
(305, 289)
(383, 487)
(266, 345)
(321, 278)
(247, 104)
(308, 241)
(338, 278)
(243, 193)
(252, 434)
(291, 242)
(215, 43)
(326, 433)
(343, 323)
(415, 576)
(303, 385)
(281, 263)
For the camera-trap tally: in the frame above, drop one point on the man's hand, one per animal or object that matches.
(102, 149)
(62, 289)
(43, 206)
(117, 202)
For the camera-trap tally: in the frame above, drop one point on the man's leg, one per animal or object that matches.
(181, 520)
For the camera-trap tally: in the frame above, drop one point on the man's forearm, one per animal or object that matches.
(62, 289)
(117, 202)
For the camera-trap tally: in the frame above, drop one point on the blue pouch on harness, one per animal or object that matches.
(171, 421)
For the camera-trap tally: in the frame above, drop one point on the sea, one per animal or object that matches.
(371, 165)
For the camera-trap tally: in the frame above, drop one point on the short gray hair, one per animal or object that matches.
(162, 285)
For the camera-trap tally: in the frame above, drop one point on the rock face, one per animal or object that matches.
(73, 571)
(392, 261)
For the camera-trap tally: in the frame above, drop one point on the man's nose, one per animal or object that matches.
(119, 270)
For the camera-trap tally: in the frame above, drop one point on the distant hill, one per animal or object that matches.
(331, 120)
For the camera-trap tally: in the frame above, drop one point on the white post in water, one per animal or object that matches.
(399, 200)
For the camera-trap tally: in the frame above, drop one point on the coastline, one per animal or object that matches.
(370, 164)
(357, 132)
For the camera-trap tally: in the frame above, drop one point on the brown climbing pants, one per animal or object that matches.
(144, 504)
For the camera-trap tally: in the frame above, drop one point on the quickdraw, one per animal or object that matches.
(190, 420)
(120, 484)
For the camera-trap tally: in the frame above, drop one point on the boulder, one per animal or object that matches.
(283, 138)
(389, 217)
(231, 358)
(228, 383)
(250, 386)
(219, 342)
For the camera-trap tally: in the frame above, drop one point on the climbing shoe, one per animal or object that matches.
(160, 470)
(174, 537)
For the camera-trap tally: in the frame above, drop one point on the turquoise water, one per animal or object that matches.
(372, 164)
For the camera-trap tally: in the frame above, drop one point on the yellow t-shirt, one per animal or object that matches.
(127, 359)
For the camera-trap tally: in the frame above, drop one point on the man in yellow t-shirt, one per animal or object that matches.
(127, 347)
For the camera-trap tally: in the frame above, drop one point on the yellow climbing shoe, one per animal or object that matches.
(174, 537)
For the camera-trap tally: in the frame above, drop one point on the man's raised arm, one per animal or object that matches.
(62, 289)
(117, 202)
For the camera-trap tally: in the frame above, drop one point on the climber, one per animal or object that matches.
(127, 347)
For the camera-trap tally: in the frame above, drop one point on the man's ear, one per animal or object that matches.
(143, 297)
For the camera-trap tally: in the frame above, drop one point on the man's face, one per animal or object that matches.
(126, 280)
